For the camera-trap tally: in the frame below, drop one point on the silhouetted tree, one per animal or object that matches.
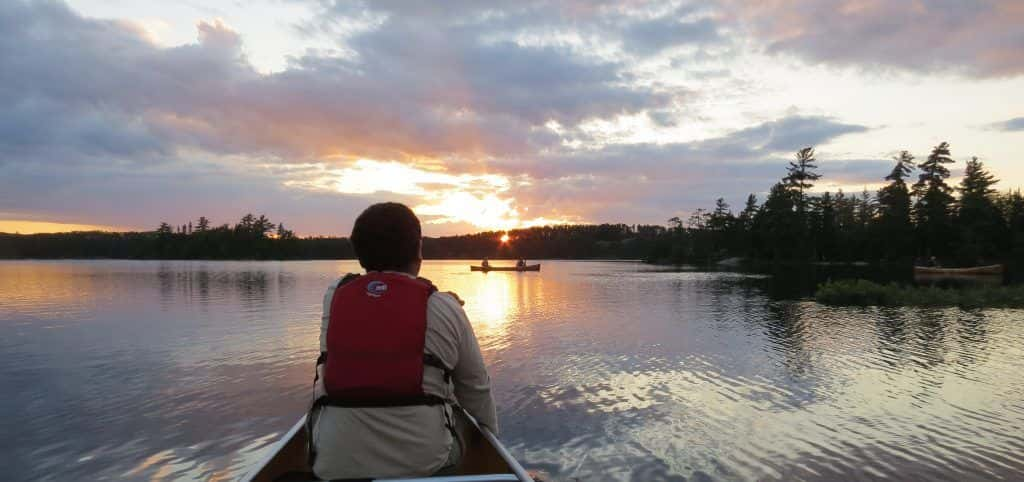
(801, 176)
(203, 224)
(894, 223)
(983, 231)
(823, 225)
(932, 211)
(778, 225)
(721, 218)
(283, 233)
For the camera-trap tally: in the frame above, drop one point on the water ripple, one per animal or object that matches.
(602, 371)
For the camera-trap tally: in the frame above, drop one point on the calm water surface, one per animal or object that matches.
(602, 371)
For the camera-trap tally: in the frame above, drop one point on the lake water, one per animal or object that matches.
(602, 371)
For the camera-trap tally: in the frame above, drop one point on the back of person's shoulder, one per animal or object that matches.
(445, 301)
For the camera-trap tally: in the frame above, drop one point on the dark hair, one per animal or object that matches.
(386, 236)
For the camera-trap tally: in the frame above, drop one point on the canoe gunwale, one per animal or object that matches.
(281, 458)
(994, 269)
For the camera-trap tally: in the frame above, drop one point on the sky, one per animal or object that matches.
(121, 114)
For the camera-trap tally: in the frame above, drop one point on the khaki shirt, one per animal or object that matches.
(412, 440)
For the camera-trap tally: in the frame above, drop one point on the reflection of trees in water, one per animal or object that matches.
(934, 343)
(203, 286)
(165, 276)
(784, 327)
(891, 335)
(251, 285)
(972, 337)
(190, 281)
(928, 342)
(923, 334)
(285, 284)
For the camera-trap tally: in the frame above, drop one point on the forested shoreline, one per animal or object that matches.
(928, 220)
(257, 238)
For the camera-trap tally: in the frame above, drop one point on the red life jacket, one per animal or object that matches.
(375, 340)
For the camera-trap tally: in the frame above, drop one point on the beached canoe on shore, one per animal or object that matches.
(995, 269)
(531, 267)
(485, 459)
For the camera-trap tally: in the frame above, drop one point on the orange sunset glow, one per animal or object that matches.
(632, 112)
(36, 227)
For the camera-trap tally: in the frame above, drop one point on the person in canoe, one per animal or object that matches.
(485, 263)
(521, 263)
(395, 355)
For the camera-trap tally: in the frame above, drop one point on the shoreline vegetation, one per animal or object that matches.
(861, 292)
(902, 224)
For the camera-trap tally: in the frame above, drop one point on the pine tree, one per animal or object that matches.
(904, 166)
(746, 217)
(262, 226)
(867, 209)
(203, 224)
(801, 175)
(721, 218)
(245, 225)
(283, 233)
(894, 211)
(933, 208)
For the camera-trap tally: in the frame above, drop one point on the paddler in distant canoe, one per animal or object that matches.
(395, 354)
(485, 264)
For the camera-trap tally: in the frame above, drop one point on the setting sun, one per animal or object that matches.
(505, 238)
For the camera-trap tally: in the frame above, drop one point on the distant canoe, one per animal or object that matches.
(991, 270)
(530, 267)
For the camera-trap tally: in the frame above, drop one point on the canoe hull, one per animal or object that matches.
(287, 459)
(532, 267)
(991, 270)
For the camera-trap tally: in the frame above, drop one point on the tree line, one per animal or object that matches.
(905, 221)
(256, 237)
(252, 237)
(926, 221)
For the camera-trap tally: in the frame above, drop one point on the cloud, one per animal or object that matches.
(414, 89)
(652, 36)
(480, 116)
(1013, 125)
(764, 142)
(981, 38)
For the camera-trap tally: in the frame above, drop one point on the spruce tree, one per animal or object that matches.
(778, 226)
(825, 226)
(745, 226)
(746, 217)
(983, 232)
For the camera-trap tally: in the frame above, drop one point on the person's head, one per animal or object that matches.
(387, 237)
